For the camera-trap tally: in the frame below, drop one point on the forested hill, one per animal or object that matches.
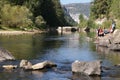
(68, 18)
(75, 9)
(83, 8)
(31, 13)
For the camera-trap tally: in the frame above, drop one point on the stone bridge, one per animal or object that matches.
(68, 28)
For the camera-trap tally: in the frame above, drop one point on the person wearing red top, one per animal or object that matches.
(100, 32)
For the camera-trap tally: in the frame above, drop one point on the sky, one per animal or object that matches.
(74, 1)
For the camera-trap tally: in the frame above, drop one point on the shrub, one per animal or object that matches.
(107, 24)
(15, 16)
(40, 23)
(118, 24)
(83, 21)
(91, 24)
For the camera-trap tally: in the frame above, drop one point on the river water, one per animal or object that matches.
(63, 50)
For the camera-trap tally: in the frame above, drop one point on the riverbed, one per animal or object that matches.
(63, 49)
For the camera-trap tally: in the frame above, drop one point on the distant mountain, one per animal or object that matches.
(75, 9)
(68, 18)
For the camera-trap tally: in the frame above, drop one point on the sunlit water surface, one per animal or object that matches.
(61, 49)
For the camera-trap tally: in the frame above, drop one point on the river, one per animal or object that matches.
(63, 50)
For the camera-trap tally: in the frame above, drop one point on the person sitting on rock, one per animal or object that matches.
(100, 32)
(106, 31)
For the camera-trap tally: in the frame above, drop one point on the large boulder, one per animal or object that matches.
(104, 41)
(25, 64)
(112, 40)
(43, 65)
(5, 55)
(89, 68)
(115, 41)
(116, 37)
(114, 47)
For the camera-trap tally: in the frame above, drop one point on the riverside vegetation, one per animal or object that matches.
(27, 14)
(103, 11)
(42, 14)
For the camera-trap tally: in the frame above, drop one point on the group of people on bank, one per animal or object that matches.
(102, 32)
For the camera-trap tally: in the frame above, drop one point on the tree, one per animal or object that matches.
(83, 21)
(100, 8)
(115, 9)
(50, 11)
(15, 16)
(40, 23)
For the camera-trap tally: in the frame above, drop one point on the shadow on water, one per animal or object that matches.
(62, 49)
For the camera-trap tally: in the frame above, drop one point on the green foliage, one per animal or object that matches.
(100, 8)
(107, 24)
(86, 23)
(115, 9)
(27, 13)
(83, 21)
(15, 16)
(52, 12)
(91, 24)
(109, 9)
(81, 18)
(118, 24)
(70, 21)
(40, 23)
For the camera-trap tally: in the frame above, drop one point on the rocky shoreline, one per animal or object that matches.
(111, 40)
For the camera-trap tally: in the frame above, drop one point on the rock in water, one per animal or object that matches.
(9, 66)
(89, 68)
(25, 64)
(5, 55)
(43, 65)
(115, 45)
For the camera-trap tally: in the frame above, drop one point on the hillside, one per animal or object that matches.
(75, 9)
(68, 18)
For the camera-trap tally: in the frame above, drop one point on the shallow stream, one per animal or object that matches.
(63, 50)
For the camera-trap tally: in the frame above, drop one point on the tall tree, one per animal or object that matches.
(52, 12)
(115, 9)
(100, 8)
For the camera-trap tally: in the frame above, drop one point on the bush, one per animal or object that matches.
(83, 21)
(16, 16)
(91, 24)
(107, 24)
(40, 23)
(118, 24)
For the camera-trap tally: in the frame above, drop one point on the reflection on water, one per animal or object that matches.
(61, 49)
(106, 54)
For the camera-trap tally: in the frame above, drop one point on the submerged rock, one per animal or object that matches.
(5, 55)
(9, 66)
(43, 65)
(89, 68)
(25, 64)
